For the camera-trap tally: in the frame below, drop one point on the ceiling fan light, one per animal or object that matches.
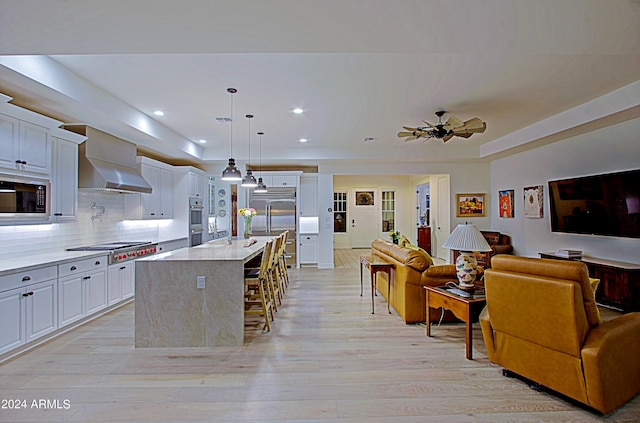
(249, 181)
(231, 173)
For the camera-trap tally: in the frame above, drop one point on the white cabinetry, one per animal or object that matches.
(65, 176)
(25, 147)
(308, 195)
(121, 282)
(158, 204)
(284, 180)
(28, 306)
(308, 249)
(82, 289)
(196, 184)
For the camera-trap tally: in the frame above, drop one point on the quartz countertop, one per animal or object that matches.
(35, 261)
(217, 250)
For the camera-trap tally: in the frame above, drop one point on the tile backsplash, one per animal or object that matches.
(100, 219)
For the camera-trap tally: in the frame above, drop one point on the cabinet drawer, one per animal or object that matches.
(77, 267)
(27, 277)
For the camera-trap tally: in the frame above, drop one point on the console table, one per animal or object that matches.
(376, 264)
(619, 286)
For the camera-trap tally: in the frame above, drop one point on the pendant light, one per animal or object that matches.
(249, 181)
(231, 173)
(261, 186)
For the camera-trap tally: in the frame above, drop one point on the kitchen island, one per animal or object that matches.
(175, 308)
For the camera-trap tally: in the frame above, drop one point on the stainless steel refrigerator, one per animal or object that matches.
(276, 213)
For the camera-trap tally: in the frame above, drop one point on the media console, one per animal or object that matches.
(619, 286)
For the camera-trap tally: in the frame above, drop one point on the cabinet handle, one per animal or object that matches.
(21, 162)
(26, 278)
(86, 277)
(73, 268)
(26, 294)
(123, 267)
(57, 214)
(97, 263)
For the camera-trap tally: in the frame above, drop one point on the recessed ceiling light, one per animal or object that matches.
(202, 141)
(302, 140)
(298, 111)
(158, 113)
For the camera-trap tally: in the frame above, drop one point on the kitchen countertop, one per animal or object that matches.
(217, 250)
(36, 261)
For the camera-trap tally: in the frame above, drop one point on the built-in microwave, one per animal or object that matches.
(24, 198)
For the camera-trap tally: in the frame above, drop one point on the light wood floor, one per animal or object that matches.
(327, 359)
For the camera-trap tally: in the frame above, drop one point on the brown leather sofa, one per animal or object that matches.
(413, 270)
(541, 322)
(499, 243)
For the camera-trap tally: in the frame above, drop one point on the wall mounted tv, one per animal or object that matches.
(607, 204)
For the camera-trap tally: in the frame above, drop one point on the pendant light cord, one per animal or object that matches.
(231, 108)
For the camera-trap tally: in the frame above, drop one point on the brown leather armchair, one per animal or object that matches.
(541, 322)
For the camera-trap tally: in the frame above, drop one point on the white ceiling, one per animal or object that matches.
(359, 68)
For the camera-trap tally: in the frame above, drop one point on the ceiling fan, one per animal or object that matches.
(453, 127)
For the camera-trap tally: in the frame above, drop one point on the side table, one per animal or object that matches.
(376, 264)
(466, 309)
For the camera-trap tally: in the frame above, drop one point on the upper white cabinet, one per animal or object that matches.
(196, 184)
(25, 147)
(279, 179)
(158, 204)
(308, 195)
(65, 175)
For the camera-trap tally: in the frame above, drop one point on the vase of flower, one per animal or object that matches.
(395, 236)
(248, 214)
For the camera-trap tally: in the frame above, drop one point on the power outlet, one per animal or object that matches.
(200, 282)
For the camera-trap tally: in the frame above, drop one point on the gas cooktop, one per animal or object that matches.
(110, 246)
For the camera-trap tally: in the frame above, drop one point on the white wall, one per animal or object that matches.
(606, 150)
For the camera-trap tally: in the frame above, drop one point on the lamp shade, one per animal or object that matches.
(466, 238)
(231, 173)
(249, 181)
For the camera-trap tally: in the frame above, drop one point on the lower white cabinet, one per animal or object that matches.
(28, 308)
(121, 282)
(308, 249)
(82, 289)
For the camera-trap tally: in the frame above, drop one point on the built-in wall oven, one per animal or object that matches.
(196, 217)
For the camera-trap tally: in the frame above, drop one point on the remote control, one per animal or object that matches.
(459, 292)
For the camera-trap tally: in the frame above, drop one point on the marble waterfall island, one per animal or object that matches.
(171, 310)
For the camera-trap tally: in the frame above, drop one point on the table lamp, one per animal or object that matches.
(466, 239)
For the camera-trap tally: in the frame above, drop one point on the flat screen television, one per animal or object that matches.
(607, 204)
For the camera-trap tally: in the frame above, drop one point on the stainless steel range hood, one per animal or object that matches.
(108, 163)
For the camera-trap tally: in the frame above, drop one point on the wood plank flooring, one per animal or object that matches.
(326, 359)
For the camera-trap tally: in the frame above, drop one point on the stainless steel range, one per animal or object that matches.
(121, 251)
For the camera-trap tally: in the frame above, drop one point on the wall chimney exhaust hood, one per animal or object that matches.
(108, 163)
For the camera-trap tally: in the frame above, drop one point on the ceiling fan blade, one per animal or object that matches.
(408, 128)
(411, 138)
(407, 134)
(447, 137)
(475, 125)
(428, 124)
(465, 134)
(453, 122)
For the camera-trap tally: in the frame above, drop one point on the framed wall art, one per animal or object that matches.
(533, 201)
(365, 198)
(470, 205)
(506, 203)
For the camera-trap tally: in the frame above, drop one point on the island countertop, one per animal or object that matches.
(218, 250)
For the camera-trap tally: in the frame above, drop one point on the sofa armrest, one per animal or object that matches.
(441, 271)
(610, 361)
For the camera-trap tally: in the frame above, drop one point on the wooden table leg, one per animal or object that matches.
(389, 291)
(361, 277)
(372, 276)
(428, 328)
(469, 334)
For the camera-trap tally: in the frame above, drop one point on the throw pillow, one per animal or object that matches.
(421, 251)
(594, 285)
(403, 242)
